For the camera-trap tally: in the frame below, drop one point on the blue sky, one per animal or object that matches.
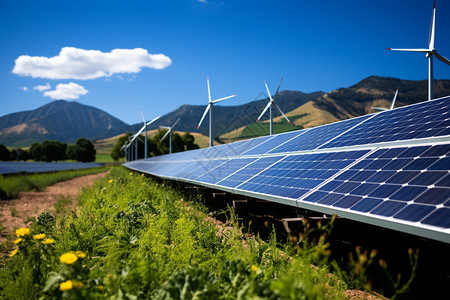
(102, 53)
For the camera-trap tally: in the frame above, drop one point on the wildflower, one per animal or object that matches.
(255, 268)
(14, 252)
(110, 181)
(18, 241)
(66, 285)
(22, 232)
(39, 236)
(131, 173)
(68, 226)
(48, 241)
(68, 258)
(80, 254)
(81, 233)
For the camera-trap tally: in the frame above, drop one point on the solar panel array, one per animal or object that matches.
(11, 167)
(389, 169)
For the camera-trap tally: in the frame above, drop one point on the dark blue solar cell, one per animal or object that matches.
(441, 164)
(391, 153)
(364, 189)
(388, 208)
(346, 175)
(384, 190)
(346, 187)
(331, 186)
(408, 193)
(434, 196)
(438, 150)
(440, 218)
(316, 196)
(420, 163)
(413, 152)
(414, 212)
(403, 177)
(362, 176)
(377, 164)
(297, 193)
(381, 176)
(361, 165)
(428, 178)
(366, 204)
(347, 201)
(330, 199)
(444, 182)
(397, 164)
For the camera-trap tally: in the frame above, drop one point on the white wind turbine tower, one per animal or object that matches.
(169, 132)
(429, 53)
(210, 109)
(144, 127)
(269, 106)
(392, 105)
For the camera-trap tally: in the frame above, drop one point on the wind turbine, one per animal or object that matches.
(210, 109)
(169, 132)
(144, 127)
(392, 105)
(269, 106)
(429, 53)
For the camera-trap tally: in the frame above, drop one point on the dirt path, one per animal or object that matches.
(17, 212)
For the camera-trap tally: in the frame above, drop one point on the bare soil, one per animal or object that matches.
(18, 212)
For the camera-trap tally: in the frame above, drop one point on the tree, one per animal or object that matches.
(189, 141)
(36, 152)
(4, 153)
(53, 151)
(83, 151)
(116, 152)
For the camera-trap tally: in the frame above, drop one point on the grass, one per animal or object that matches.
(11, 185)
(134, 238)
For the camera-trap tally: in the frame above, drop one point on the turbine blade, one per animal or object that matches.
(221, 99)
(153, 120)
(268, 92)
(432, 28)
(410, 50)
(204, 114)
(282, 112)
(142, 115)
(441, 58)
(209, 89)
(167, 133)
(265, 109)
(175, 123)
(393, 100)
(278, 88)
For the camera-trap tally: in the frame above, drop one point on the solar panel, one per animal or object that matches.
(389, 169)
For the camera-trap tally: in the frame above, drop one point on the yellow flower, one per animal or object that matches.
(68, 258)
(131, 173)
(255, 268)
(110, 181)
(18, 241)
(66, 285)
(39, 236)
(22, 232)
(48, 241)
(14, 252)
(81, 233)
(80, 254)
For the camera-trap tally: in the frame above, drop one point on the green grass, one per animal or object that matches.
(104, 158)
(133, 238)
(11, 185)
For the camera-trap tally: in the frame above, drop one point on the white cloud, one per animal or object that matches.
(23, 88)
(75, 63)
(66, 91)
(42, 88)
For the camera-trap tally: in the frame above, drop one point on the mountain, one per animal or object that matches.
(59, 120)
(228, 118)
